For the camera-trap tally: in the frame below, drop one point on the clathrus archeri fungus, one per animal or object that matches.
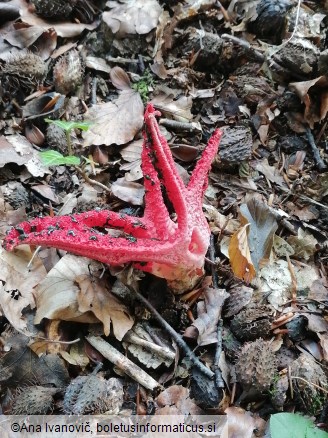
(171, 249)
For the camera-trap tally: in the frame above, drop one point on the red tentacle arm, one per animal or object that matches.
(174, 250)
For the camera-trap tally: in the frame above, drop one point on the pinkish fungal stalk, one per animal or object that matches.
(154, 243)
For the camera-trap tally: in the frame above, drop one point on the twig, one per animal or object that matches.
(178, 338)
(309, 383)
(316, 153)
(258, 56)
(218, 375)
(122, 362)
(92, 181)
(181, 126)
(93, 99)
(213, 266)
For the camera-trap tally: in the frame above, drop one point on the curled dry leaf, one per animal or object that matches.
(96, 298)
(263, 225)
(132, 17)
(241, 423)
(240, 256)
(209, 312)
(120, 79)
(64, 29)
(17, 149)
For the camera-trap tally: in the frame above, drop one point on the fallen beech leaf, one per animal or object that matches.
(263, 225)
(132, 16)
(242, 424)
(56, 295)
(17, 283)
(64, 29)
(115, 122)
(132, 154)
(179, 109)
(96, 298)
(128, 191)
(240, 256)
(177, 398)
(209, 312)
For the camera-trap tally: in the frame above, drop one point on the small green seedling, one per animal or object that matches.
(68, 127)
(54, 158)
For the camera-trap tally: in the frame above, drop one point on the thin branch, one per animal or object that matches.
(178, 338)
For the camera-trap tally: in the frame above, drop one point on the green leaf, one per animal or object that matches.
(287, 425)
(54, 158)
(68, 126)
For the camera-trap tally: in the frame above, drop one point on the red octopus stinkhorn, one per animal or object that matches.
(174, 250)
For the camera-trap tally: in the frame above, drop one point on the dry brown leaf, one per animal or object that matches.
(96, 298)
(240, 256)
(128, 191)
(17, 282)
(179, 109)
(76, 355)
(177, 398)
(115, 122)
(241, 424)
(56, 295)
(312, 114)
(209, 312)
(64, 29)
(132, 154)
(43, 41)
(132, 16)
(120, 79)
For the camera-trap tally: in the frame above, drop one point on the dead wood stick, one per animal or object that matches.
(176, 336)
(123, 363)
(321, 165)
(164, 352)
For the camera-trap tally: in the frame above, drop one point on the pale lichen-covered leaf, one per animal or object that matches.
(263, 225)
(115, 122)
(96, 298)
(132, 16)
(304, 244)
(276, 281)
